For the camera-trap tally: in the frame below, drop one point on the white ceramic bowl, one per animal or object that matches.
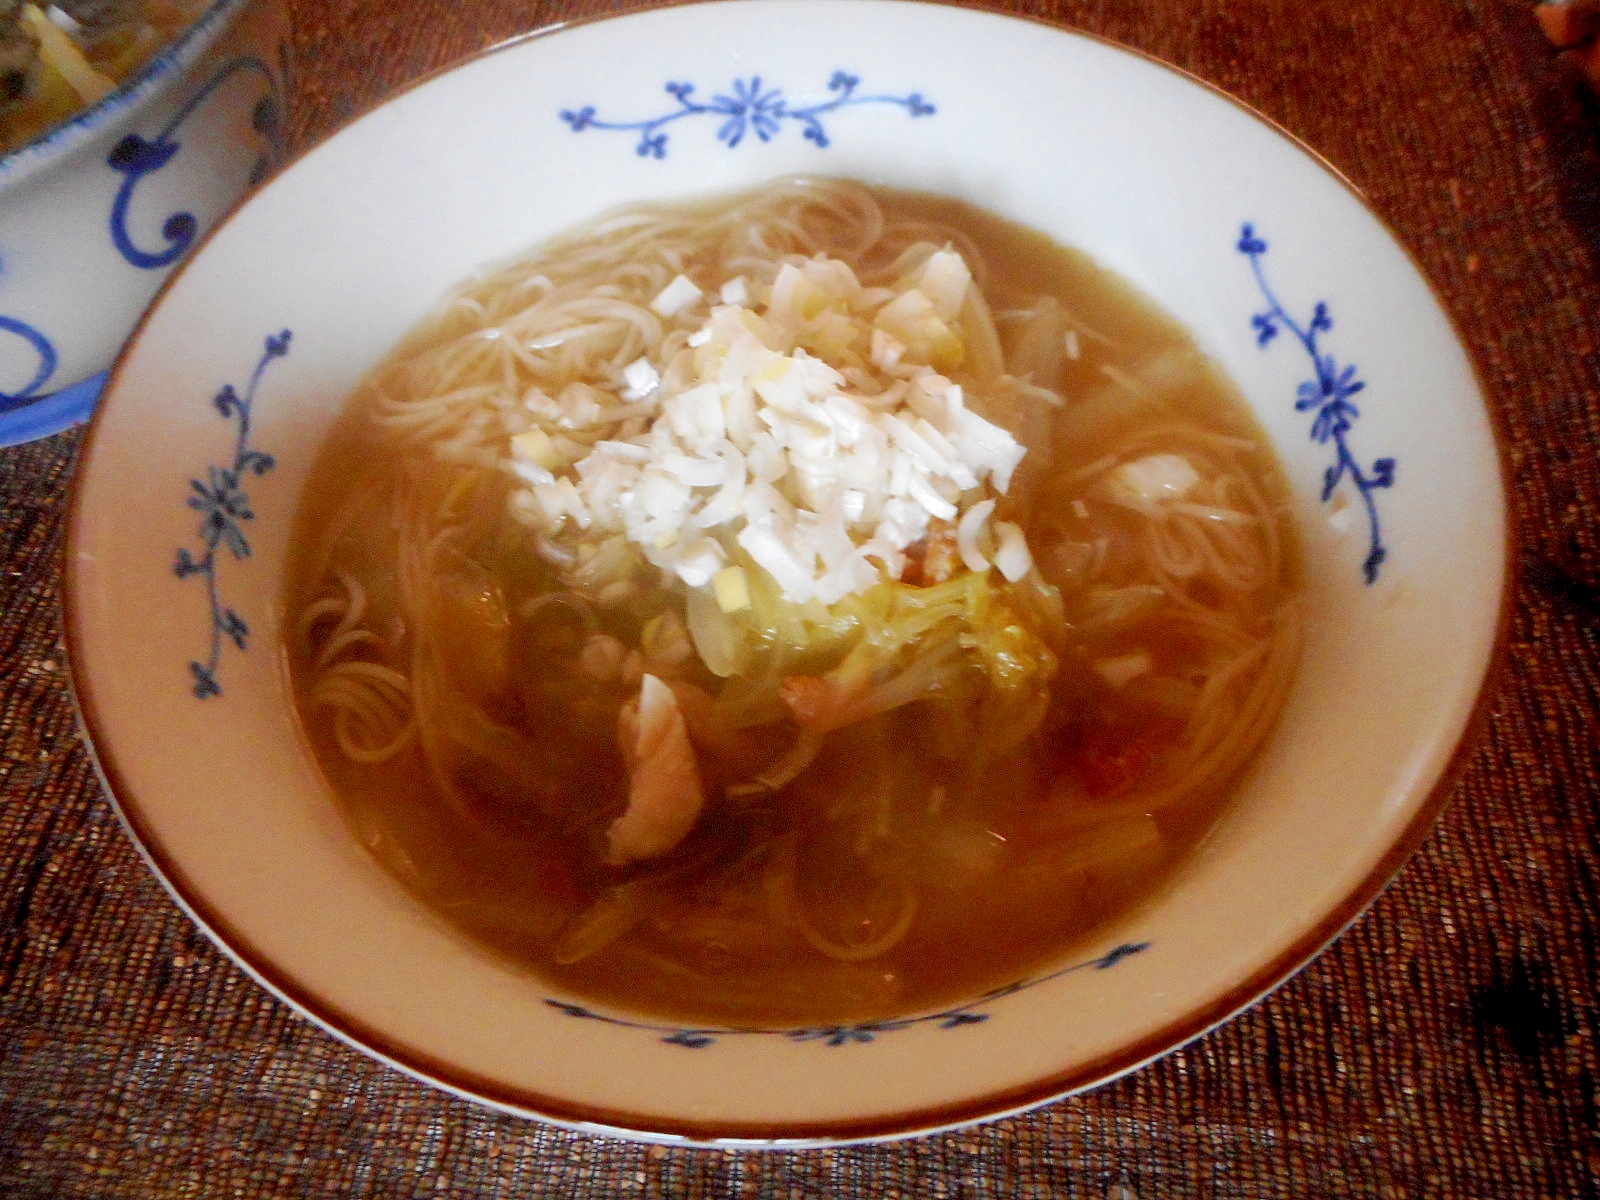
(1227, 222)
(95, 213)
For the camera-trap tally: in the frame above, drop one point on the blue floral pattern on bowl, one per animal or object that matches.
(749, 106)
(40, 345)
(1329, 394)
(43, 405)
(135, 158)
(224, 509)
(860, 1032)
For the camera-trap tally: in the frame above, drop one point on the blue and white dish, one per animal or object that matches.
(196, 461)
(95, 213)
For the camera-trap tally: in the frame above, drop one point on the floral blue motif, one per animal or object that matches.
(861, 1032)
(1329, 396)
(41, 346)
(748, 107)
(135, 158)
(224, 508)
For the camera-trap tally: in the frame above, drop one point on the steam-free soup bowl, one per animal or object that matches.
(95, 213)
(194, 466)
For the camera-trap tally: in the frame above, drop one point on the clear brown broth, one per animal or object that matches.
(710, 952)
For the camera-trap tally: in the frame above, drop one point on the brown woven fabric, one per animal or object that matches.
(1445, 1046)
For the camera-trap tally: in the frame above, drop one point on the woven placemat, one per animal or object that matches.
(1445, 1046)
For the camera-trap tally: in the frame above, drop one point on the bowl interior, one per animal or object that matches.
(1208, 209)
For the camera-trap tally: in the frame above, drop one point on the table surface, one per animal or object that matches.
(1444, 1046)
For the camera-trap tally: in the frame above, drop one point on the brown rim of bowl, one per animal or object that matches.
(798, 1134)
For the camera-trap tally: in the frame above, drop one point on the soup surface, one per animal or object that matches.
(818, 604)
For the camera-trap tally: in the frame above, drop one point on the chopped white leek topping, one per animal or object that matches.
(676, 296)
(1152, 479)
(641, 377)
(535, 448)
(731, 589)
(972, 522)
(760, 443)
(1013, 556)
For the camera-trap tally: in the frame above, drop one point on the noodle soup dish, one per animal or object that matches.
(764, 599)
(806, 606)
